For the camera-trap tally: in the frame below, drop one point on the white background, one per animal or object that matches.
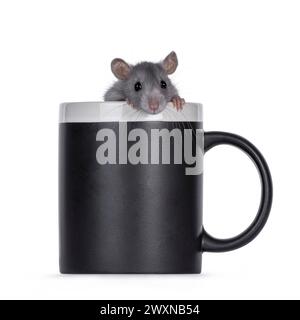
(241, 59)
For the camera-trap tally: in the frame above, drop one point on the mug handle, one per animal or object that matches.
(211, 244)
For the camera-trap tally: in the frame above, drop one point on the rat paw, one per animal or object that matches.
(178, 102)
(130, 103)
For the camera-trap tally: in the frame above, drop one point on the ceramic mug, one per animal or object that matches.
(130, 189)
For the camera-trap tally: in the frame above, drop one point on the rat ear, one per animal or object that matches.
(170, 63)
(120, 68)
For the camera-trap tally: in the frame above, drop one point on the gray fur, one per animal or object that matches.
(150, 76)
(115, 92)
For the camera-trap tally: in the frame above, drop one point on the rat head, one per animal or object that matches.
(147, 85)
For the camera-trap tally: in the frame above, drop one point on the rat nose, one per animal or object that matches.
(153, 105)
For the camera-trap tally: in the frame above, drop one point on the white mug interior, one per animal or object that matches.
(121, 111)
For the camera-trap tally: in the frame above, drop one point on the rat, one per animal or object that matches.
(146, 85)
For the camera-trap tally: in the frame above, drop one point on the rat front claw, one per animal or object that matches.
(178, 102)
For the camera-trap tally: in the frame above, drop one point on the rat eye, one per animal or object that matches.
(138, 86)
(163, 84)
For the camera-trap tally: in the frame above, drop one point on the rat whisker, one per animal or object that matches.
(137, 115)
(182, 123)
(172, 117)
(140, 114)
(190, 125)
(114, 109)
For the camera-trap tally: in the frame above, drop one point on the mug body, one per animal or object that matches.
(130, 189)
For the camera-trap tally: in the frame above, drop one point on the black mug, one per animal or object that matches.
(130, 189)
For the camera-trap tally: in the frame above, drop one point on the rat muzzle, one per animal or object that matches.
(153, 104)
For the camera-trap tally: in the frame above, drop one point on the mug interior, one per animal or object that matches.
(120, 111)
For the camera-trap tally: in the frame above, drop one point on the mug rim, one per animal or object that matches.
(120, 111)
